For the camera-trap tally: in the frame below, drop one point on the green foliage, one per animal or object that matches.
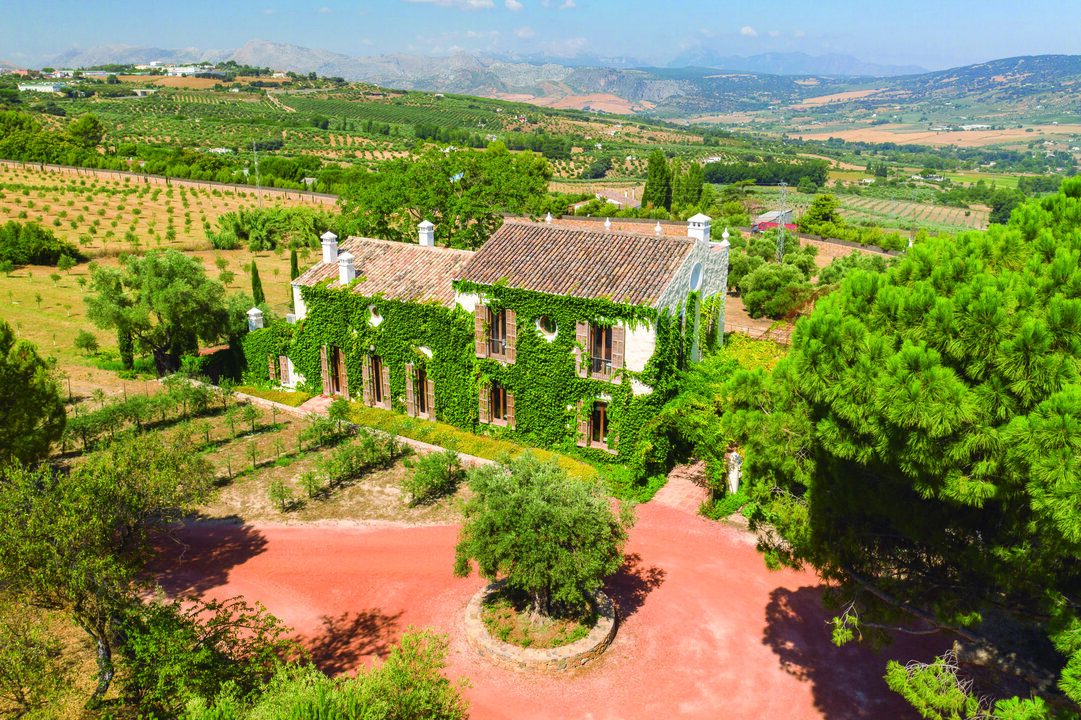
(934, 689)
(256, 285)
(463, 193)
(434, 475)
(165, 301)
(32, 414)
(30, 244)
(261, 229)
(339, 411)
(836, 271)
(369, 451)
(408, 685)
(918, 448)
(284, 397)
(280, 495)
(176, 652)
(658, 190)
(773, 290)
(87, 131)
(86, 341)
(546, 535)
(52, 558)
(32, 669)
(262, 345)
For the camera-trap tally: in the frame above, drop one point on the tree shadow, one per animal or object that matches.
(846, 682)
(200, 555)
(630, 587)
(346, 639)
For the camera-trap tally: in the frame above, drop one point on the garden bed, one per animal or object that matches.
(507, 616)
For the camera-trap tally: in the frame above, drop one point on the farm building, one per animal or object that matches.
(560, 335)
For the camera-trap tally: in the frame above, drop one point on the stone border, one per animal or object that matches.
(550, 660)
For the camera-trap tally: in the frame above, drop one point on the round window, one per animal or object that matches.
(547, 325)
(696, 277)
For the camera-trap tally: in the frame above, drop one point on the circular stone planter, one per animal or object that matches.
(548, 660)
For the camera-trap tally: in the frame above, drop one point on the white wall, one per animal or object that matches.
(468, 301)
(298, 303)
(641, 343)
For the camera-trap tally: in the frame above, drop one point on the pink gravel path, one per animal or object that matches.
(707, 631)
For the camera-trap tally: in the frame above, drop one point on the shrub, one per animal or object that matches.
(435, 475)
(280, 494)
(86, 342)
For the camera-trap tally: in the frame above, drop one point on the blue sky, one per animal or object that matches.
(932, 34)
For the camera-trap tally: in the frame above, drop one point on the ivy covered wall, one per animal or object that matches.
(544, 380)
(272, 341)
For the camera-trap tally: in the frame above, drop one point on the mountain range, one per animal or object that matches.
(709, 84)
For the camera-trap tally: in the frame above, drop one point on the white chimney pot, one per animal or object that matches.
(330, 247)
(698, 227)
(346, 269)
(255, 319)
(426, 234)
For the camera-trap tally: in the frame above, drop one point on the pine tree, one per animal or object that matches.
(658, 190)
(919, 447)
(256, 285)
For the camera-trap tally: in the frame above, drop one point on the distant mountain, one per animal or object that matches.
(794, 63)
(124, 54)
(5, 65)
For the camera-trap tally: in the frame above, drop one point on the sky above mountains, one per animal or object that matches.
(933, 34)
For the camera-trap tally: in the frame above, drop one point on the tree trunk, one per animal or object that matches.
(542, 602)
(105, 672)
(165, 362)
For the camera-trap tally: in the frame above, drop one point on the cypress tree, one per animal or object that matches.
(658, 191)
(294, 265)
(256, 285)
(125, 344)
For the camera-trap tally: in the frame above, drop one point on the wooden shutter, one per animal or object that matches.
(410, 399)
(283, 363)
(619, 341)
(512, 337)
(273, 367)
(325, 370)
(485, 406)
(585, 361)
(510, 409)
(366, 372)
(480, 336)
(343, 375)
(385, 380)
(429, 392)
(583, 423)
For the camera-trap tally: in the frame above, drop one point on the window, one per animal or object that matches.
(696, 277)
(419, 392)
(547, 327)
(495, 333)
(496, 405)
(376, 382)
(594, 429)
(334, 375)
(601, 347)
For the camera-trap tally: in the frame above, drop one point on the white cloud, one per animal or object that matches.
(774, 33)
(707, 33)
(748, 31)
(324, 10)
(482, 34)
(514, 5)
(799, 33)
(460, 4)
(366, 41)
(546, 3)
(568, 5)
(568, 47)
(525, 33)
(270, 11)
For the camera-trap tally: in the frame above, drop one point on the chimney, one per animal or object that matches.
(330, 247)
(347, 272)
(427, 234)
(658, 229)
(255, 319)
(607, 224)
(698, 227)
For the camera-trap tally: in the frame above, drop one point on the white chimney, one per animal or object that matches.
(427, 234)
(607, 224)
(698, 227)
(347, 272)
(658, 229)
(548, 218)
(330, 247)
(255, 319)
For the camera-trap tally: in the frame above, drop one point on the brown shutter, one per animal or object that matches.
(512, 337)
(429, 391)
(343, 374)
(583, 424)
(273, 367)
(366, 373)
(410, 401)
(385, 380)
(283, 362)
(510, 409)
(480, 336)
(619, 341)
(581, 331)
(325, 369)
(485, 411)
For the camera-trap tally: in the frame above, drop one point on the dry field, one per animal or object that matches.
(903, 214)
(961, 138)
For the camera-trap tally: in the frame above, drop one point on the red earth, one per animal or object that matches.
(706, 630)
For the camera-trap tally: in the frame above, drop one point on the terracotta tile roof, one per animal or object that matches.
(632, 268)
(400, 271)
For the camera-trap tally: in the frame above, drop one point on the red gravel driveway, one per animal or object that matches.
(707, 631)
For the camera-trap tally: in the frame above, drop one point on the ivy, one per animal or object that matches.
(258, 345)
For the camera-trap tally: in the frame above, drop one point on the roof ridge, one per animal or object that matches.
(600, 230)
(399, 243)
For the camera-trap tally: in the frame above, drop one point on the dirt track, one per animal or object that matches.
(707, 631)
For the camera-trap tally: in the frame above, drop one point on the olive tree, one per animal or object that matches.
(32, 414)
(549, 536)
